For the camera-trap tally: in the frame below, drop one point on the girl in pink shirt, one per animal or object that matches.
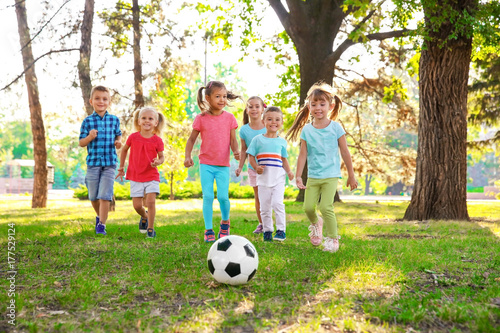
(146, 153)
(217, 129)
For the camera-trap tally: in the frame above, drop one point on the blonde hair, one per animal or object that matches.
(246, 119)
(203, 104)
(99, 88)
(159, 116)
(319, 91)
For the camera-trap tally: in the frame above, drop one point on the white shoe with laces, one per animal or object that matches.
(316, 233)
(331, 244)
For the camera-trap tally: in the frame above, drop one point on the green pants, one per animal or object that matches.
(325, 188)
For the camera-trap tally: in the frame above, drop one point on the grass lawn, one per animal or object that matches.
(388, 276)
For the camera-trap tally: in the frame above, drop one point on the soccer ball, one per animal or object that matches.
(233, 260)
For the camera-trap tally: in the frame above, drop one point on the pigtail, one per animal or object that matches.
(246, 119)
(299, 123)
(202, 103)
(232, 96)
(161, 124)
(336, 109)
(136, 120)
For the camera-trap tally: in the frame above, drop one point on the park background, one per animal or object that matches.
(184, 45)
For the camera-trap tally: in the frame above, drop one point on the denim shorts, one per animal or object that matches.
(138, 189)
(100, 181)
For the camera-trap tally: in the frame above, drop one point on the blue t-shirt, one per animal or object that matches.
(323, 159)
(247, 134)
(269, 152)
(101, 151)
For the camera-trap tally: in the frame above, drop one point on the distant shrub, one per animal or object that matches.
(81, 192)
(122, 192)
(475, 189)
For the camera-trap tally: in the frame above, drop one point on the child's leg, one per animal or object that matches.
(277, 198)
(311, 198)
(265, 195)
(257, 203)
(139, 208)
(328, 189)
(92, 182)
(95, 205)
(151, 204)
(222, 181)
(207, 188)
(105, 191)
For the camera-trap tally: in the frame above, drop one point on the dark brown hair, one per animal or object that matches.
(318, 91)
(203, 104)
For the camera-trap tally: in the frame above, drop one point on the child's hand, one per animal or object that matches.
(260, 169)
(155, 162)
(299, 183)
(290, 175)
(352, 183)
(120, 174)
(238, 172)
(118, 144)
(236, 155)
(188, 162)
(92, 134)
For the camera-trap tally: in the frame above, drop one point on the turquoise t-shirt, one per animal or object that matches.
(269, 152)
(323, 158)
(247, 134)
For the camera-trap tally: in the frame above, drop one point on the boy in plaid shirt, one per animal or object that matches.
(100, 133)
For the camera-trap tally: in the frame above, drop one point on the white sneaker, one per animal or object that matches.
(331, 244)
(316, 232)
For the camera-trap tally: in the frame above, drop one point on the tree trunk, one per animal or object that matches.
(368, 180)
(40, 183)
(440, 190)
(139, 97)
(85, 51)
(171, 186)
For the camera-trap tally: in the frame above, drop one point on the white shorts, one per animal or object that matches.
(138, 189)
(252, 177)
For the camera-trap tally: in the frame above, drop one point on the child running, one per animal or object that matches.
(100, 133)
(217, 129)
(320, 142)
(146, 153)
(268, 156)
(253, 125)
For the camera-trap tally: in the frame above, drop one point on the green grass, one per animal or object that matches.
(388, 276)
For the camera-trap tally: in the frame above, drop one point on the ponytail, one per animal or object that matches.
(336, 109)
(299, 123)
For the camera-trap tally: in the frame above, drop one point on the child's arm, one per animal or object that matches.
(243, 157)
(188, 161)
(301, 162)
(234, 145)
(346, 156)
(118, 142)
(286, 166)
(258, 168)
(158, 160)
(85, 141)
(123, 158)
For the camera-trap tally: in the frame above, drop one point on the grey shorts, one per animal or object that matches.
(138, 189)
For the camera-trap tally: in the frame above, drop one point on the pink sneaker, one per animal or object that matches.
(259, 229)
(316, 233)
(331, 244)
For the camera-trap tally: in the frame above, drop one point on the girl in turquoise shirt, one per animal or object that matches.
(320, 143)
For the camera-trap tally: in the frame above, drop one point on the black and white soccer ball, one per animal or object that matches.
(233, 260)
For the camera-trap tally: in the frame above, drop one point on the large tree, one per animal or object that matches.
(441, 177)
(37, 127)
(85, 52)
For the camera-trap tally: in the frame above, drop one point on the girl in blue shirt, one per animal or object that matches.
(253, 126)
(320, 143)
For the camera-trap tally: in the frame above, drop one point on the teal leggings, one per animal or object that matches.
(325, 188)
(209, 173)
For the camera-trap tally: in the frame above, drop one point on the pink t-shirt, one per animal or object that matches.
(215, 132)
(142, 152)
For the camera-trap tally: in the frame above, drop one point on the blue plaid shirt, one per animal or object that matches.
(101, 151)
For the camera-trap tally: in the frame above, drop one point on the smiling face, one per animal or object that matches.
(273, 120)
(148, 120)
(319, 107)
(254, 108)
(217, 99)
(100, 101)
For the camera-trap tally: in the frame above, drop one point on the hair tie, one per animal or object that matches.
(264, 104)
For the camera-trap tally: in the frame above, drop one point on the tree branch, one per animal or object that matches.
(33, 63)
(282, 13)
